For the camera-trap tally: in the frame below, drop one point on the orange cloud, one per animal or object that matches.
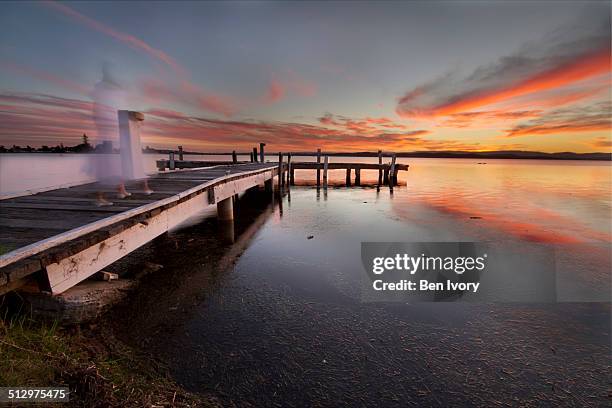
(586, 66)
(583, 67)
(42, 119)
(364, 126)
(558, 128)
(568, 120)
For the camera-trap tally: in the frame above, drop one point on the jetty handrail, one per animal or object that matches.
(40, 246)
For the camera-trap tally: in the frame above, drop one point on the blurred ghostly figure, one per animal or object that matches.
(108, 98)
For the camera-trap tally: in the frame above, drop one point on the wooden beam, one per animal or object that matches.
(342, 166)
(358, 176)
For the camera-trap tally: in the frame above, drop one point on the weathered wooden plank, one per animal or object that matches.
(69, 271)
(56, 251)
(51, 206)
(50, 198)
(39, 224)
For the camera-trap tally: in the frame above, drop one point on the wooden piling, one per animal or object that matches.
(261, 152)
(288, 169)
(357, 176)
(269, 186)
(386, 176)
(380, 172)
(225, 209)
(251, 156)
(255, 154)
(281, 179)
(348, 177)
(325, 165)
(234, 157)
(171, 165)
(318, 169)
(180, 152)
(392, 173)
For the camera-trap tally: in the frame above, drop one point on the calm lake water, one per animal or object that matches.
(278, 318)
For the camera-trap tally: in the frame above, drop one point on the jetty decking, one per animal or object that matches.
(61, 237)
(57, 238)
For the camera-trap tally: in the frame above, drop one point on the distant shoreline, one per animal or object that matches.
(521, 155)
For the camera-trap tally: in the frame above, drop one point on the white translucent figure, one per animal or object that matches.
(109, 97)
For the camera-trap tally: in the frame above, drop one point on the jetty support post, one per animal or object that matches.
(225, 215)
(348, 176)
(281, 180)
(357, 176)
(261, 152)
(325, 165)
(386, 175)
(255, 154)
(171, 163)
(393, 172)
(318, 167)
(180, 152)
(234, 157)
(380, 172)
(288, 169)
(225, 209)
(129, 143)
(269, 185)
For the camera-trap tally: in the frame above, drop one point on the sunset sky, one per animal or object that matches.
(347, 76)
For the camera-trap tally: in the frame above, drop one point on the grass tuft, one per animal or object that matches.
(99, 370)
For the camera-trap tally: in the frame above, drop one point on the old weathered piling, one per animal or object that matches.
(171, 165)
(318, 169)
(380, 170)
(325, 165)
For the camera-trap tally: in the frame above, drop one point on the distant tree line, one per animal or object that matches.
(83, 147)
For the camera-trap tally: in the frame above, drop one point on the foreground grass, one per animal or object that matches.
(99, 370)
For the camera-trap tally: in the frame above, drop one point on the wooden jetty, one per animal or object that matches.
(60, 237)
(387, 172)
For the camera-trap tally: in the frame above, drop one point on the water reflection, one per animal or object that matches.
(286, 315)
